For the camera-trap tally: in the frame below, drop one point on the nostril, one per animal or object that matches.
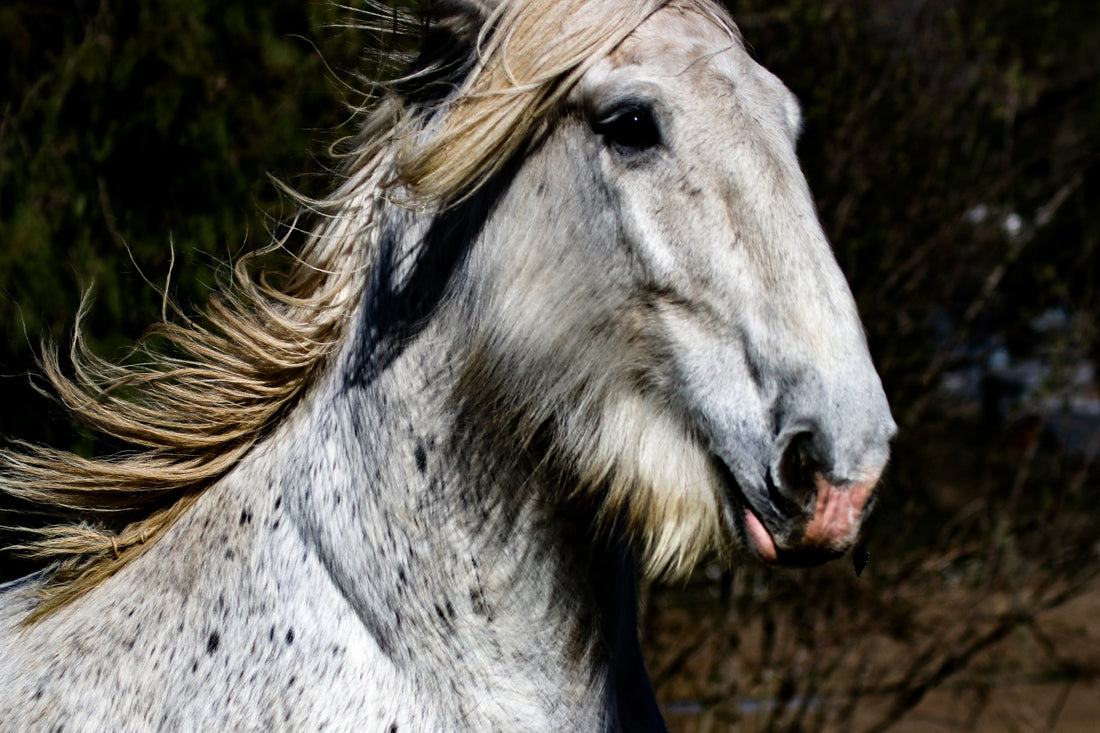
(798, 466)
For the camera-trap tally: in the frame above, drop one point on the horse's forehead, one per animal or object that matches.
(697, 60)
(678, 40)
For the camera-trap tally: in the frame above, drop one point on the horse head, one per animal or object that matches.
(668, 304)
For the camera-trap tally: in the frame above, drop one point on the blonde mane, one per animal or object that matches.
(197, 403)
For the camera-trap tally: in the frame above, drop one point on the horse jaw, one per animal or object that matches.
(767, 363)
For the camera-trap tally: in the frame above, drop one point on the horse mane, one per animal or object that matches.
(206, 390)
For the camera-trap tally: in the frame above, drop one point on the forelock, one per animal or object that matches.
(522, 60)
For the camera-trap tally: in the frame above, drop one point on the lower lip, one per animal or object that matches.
(759, 538)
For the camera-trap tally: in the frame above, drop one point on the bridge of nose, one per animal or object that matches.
(836, 425)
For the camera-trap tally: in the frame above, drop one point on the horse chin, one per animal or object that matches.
(807, 557)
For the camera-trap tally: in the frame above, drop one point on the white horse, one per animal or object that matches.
(572, 297)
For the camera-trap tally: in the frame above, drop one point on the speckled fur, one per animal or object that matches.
(432, 539)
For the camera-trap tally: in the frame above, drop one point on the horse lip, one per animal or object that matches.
(770, 551)
(739, 517)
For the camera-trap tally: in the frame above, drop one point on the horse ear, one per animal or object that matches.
(450, 33)
(484, 8)
(462, 20)
(477, 9)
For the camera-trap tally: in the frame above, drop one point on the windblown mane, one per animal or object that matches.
(487, 80)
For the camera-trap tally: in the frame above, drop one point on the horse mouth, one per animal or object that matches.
(749, 526)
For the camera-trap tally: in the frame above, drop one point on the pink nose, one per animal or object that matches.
(832, 528)
(836, 519)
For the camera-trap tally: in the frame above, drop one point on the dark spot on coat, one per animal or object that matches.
(446, 616)
(212, 642)
(481, 608)
(421, 458)
(246, 517)
(278, 502)
(290, 636)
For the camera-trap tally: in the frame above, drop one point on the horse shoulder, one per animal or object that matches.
(227, 622)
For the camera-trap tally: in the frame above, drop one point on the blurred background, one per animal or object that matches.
(953, 151)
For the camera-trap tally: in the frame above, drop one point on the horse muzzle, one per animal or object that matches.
(812, 507)
(829, 530)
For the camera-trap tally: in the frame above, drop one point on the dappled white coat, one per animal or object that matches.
(634, 328)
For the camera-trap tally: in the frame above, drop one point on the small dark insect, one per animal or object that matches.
(860, 558)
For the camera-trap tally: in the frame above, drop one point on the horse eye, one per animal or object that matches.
(629, 129)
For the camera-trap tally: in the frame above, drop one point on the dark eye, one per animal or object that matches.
(629, 128)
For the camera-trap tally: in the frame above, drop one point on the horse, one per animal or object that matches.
(568, 317)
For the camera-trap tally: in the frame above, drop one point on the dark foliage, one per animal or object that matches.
(135, 131)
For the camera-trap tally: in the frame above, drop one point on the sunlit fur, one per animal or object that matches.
(259, 346)
(587, 370)
(397, 490)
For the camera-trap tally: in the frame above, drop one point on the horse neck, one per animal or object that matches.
(452, 555)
